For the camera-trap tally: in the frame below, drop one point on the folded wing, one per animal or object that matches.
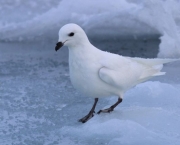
(128, 72)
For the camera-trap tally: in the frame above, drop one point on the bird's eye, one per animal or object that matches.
(71, 34)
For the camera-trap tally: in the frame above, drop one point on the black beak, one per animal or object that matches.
(58, 46)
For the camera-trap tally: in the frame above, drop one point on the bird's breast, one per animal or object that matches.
(84, 77)
(81, 73)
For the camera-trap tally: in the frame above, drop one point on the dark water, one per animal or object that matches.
(147, 48)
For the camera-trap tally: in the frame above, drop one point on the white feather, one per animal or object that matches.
(96, 73)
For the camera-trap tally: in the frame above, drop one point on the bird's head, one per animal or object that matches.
(71, 35)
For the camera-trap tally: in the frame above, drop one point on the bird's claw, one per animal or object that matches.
(108, 110)
(87, 117)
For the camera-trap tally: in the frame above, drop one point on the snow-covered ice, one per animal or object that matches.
(38, 104)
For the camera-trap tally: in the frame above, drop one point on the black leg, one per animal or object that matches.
(90, 114)
(110, 109)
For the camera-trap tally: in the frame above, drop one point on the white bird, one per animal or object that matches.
(97, 74)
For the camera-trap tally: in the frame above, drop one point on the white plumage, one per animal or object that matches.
(96, 73)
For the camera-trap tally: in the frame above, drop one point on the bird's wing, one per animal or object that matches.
(153, 66)
(120, 72)
(152, 61)
(125, 72)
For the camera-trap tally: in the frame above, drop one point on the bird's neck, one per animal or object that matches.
(82, 48)
(82, 52)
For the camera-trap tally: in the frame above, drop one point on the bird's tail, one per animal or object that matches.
(152, 67)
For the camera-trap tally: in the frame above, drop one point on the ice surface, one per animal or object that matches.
(125, 19)
(38, 104)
